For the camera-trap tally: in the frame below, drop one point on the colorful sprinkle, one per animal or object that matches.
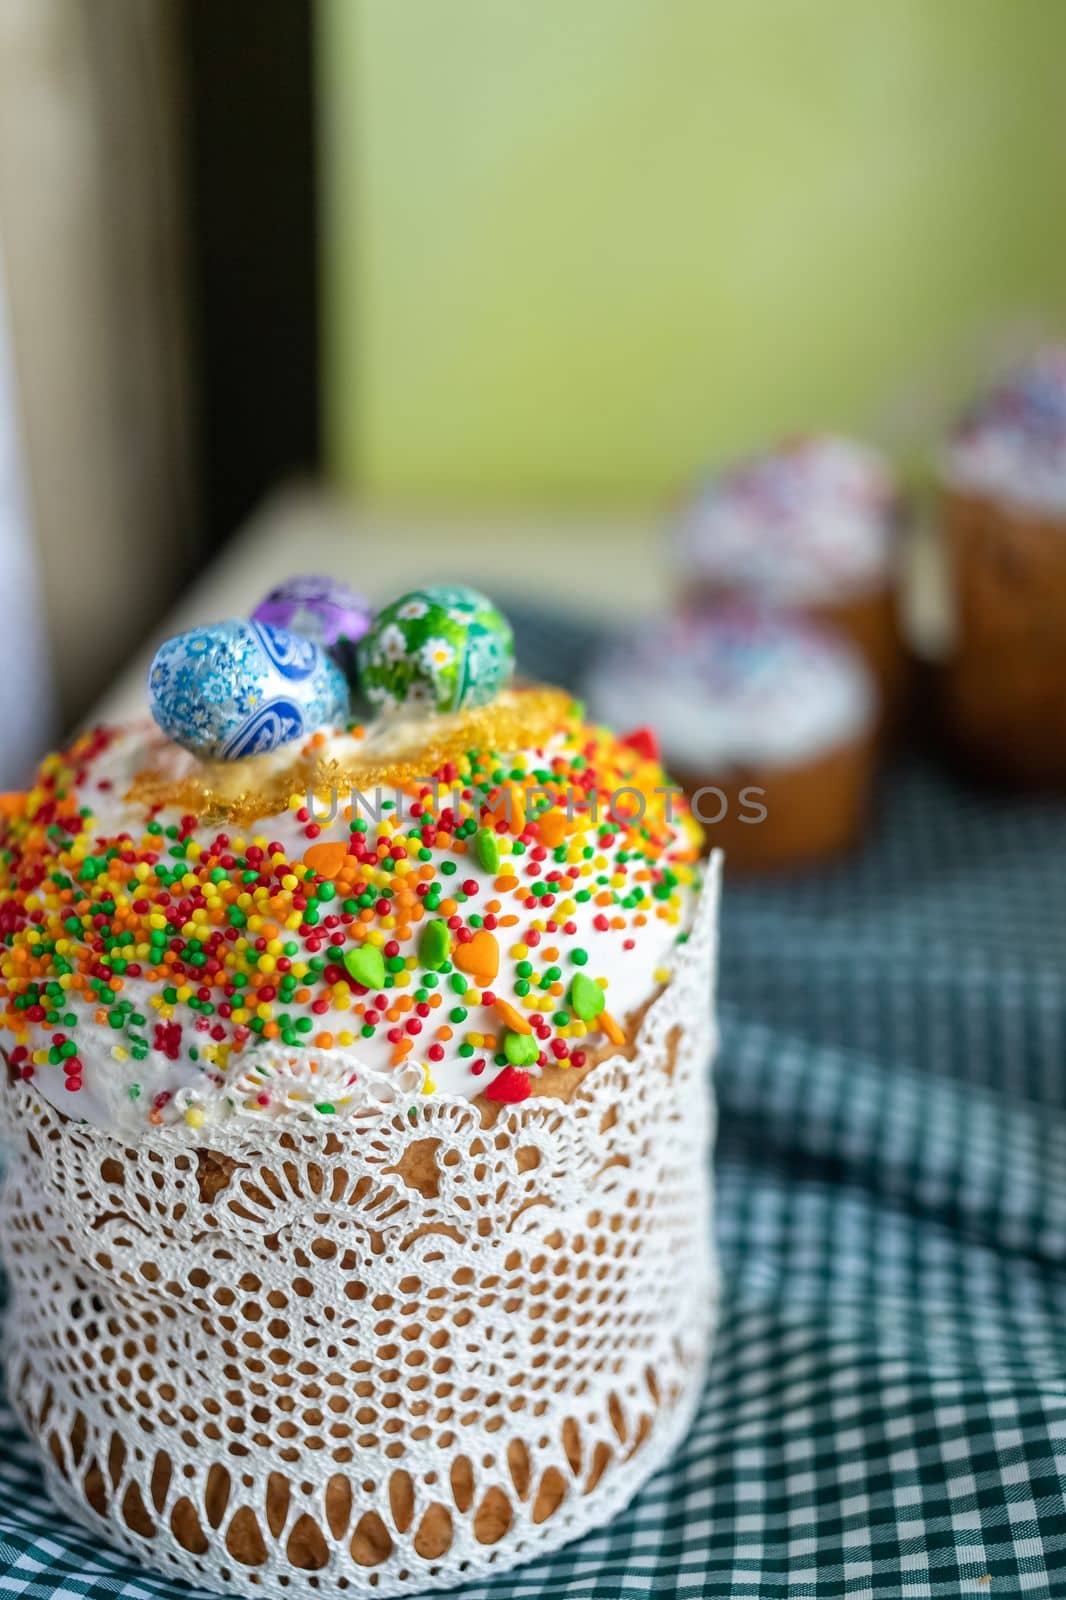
(480, 958)
(199, 961)
(434, 947)
(520, 1048)
(586, 997)
(366, 966)
(511, 1086)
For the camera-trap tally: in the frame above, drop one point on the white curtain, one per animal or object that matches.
(27, 704)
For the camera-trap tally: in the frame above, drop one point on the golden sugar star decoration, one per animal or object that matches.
(396, 756)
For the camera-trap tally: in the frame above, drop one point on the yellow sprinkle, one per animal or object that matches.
(662, 974)
(194, 1117)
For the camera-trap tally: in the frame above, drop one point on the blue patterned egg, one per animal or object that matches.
(243, 688)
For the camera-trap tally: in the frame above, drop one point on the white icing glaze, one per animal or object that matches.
(808, 523)
(1012, 445)
(735, 687)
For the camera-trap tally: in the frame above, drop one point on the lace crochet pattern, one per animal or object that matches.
(379, 1359)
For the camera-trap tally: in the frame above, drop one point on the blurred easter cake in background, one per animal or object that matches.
(812, 525)
(768, 720)
(1003, 502)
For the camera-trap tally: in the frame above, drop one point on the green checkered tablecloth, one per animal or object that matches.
(885, 1417)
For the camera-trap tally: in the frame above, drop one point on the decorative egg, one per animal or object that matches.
(321, 609)
(436, 649)
(243, 688)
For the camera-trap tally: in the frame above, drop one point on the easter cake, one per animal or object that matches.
(1003, 496)
(766, 719)
(810, 526)
(357, 1109)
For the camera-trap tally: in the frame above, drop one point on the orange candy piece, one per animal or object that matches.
(512, 1018)
(480, 959)
(611, 1028)
(553, 828)
(326, 859)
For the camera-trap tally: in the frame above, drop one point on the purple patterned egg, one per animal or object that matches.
(321, 609)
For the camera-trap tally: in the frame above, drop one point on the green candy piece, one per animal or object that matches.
(366, 965)
(487, 849)
(435, 945)
(586, 997)
(520, 1049)
(436, 649)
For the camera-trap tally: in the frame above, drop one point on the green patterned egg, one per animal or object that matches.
(436, 649)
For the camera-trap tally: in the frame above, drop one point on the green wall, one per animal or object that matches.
(573, 248)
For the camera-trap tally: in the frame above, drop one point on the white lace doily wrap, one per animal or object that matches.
(382, 1359)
